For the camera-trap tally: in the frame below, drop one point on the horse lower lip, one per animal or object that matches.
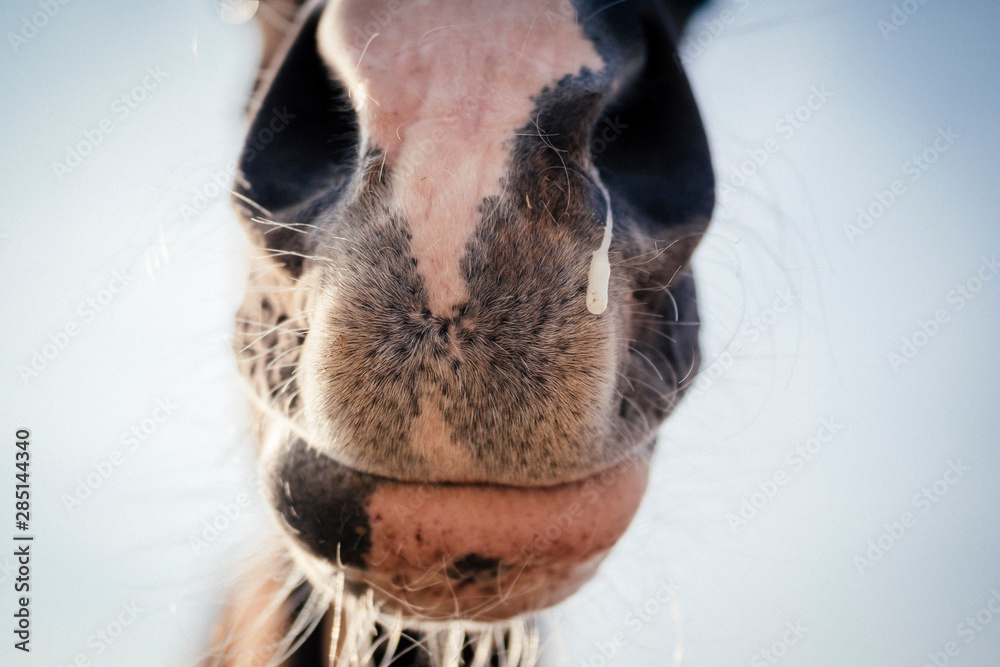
(491, 552)
(440, 551)
(569, 521)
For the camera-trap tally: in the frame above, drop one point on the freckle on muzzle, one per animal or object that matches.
(445, 551)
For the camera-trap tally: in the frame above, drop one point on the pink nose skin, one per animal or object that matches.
(481, 552)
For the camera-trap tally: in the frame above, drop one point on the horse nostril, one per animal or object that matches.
(475, 551)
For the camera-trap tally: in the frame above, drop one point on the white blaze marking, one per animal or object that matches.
(443, 88)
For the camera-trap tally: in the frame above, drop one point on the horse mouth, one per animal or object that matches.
(443, 551)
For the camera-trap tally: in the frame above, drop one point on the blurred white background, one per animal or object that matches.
(826, 496)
